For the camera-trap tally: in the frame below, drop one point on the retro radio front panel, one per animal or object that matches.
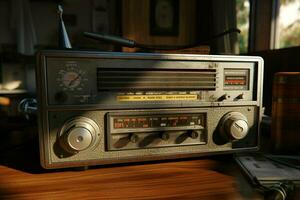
(99, 108)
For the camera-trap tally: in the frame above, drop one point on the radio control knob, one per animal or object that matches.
(79, 138)
(223, 97)
(151, 138)
(189, 134)
(122, 142)
(234, 126)
(78, 134)
(240, 96)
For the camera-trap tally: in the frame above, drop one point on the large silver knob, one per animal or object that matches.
(78, 134)
(234, 126)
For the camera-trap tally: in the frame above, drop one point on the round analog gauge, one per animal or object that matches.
(71, 79)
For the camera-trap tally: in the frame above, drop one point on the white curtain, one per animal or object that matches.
(23, 24)
(224, 18)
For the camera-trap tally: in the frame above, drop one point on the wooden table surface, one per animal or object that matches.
(21, 177)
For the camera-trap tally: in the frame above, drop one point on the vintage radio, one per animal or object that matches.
(98, 108)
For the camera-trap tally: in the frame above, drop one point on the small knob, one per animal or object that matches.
(122, 142)
(223, 97)
(234, 126)
(153, 139)
(240, 96)
(190, 133)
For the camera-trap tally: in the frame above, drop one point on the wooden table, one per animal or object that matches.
(21, 177)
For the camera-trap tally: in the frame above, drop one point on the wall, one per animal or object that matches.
(79, 16)
(136, 23)
(279, 60)
(89, 15)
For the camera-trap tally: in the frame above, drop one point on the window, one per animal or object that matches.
(242, 15)
(287, 25)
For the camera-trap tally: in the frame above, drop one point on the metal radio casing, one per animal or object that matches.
(99, 108)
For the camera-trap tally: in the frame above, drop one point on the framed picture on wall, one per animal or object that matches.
(164, 17)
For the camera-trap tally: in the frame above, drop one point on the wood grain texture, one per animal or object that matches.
(218, 177)
(22, 178)
(286, 112)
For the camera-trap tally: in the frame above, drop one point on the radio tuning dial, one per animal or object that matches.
(72, 78)
(78, 134)
(79, 138)
(234, 126)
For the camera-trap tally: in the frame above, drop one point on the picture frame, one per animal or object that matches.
(164, 17)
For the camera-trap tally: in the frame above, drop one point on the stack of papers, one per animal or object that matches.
(270, 169)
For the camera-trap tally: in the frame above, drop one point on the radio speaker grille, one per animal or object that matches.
(155, 79)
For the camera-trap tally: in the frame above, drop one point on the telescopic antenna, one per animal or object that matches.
(63, 38)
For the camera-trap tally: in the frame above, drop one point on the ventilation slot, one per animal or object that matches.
(155, 79)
